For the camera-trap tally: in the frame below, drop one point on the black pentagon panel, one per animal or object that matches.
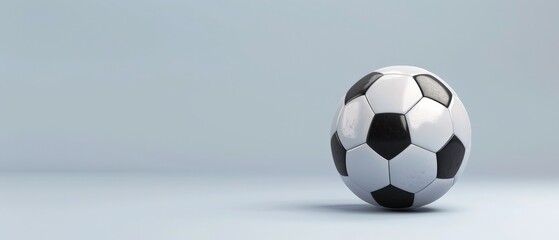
(388, 134)
(449, 158)
(393, 197)
(361, 86)
(338, 153)
(432, 88)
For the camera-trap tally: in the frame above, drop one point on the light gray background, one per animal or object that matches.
(252, 85)
(211, 90)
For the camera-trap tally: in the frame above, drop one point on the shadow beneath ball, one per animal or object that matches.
(364, 208)
(368, 209)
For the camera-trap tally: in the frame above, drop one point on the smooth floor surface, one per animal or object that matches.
(176, 206)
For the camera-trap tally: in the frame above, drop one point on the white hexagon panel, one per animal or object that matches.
(354, 122)
(402, 70)
(429, 124)
(460, 121)
(434, 191)
(334, 125)
(360, 193)
(393, 94)
(413, 169)
(366, 168)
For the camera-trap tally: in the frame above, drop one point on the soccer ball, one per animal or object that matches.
(400, 137)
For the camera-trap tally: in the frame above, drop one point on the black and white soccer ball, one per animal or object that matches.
(400, 137)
